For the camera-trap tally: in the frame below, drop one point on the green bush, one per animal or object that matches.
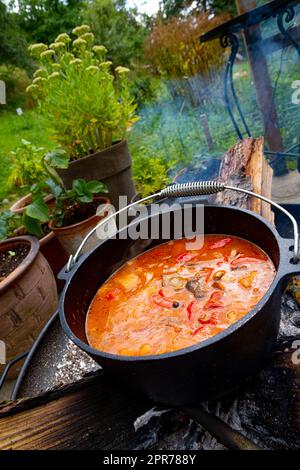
(174, 50)
(16, 81)
(27, 165)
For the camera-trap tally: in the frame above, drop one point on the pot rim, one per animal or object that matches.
(27, 262)
(46, 238)
(20, 205)
(280, 273)
(117, 143)
(106, 203)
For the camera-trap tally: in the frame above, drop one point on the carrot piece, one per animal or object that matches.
(214, 300)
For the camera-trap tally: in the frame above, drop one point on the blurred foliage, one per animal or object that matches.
(150, 173)
(43, 20)
(13, 41)
(173, 48)
(145, 87)
(27, 165)
(118, 28)
(16, 81)
(169, 8)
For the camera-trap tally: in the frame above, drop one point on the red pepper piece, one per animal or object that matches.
(162, 301)
(161, 293)
(189, 310)
(112, 294)
(214, 300)
(207, 272)
(185, 257)
(197, 331)
(220, 243)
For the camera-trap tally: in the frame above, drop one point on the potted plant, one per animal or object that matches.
(27, 166)
(89, 110)
(12, 225)
(74, 212)
(28, 295)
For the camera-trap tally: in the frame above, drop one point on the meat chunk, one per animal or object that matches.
(197, 287)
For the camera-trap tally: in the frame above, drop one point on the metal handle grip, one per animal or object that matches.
(197, 188)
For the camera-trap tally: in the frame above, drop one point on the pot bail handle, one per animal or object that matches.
(197, 188)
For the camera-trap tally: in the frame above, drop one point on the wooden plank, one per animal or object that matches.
(267, 177)
(91, 414)
(245, 166)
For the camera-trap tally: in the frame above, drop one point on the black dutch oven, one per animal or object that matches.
(206, 370)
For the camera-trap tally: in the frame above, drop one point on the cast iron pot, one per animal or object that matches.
(206, 370)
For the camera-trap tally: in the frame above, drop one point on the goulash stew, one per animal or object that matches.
(172, 297)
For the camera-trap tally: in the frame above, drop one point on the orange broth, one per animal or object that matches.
(171, 297)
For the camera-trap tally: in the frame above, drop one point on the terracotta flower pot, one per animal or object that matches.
(55, 254)
(71, 236)
(53, 251)
(112, 166)
(28, 297)
(19, 206)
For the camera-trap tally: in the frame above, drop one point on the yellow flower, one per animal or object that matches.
(92, 68)
(64, 37)
(53, 75)
(122, 70)
(106, 64)
(76, 62)
(56, 46)
(88, 37)
(79, 43)
(47, 54)
(56, 66)
(36, 49)
(100, 49)
(40, 73)
(37, 80)
(31, 89)
(80, 30)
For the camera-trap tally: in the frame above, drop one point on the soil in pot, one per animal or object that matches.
(10, 260)
(79, 220)
(79, 212)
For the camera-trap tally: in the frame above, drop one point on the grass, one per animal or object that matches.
(13, 129)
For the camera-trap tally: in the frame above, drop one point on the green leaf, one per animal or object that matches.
(96, 187)
(55, 188)
(38, 210)
(85, 198)
(79, 186)
(33, 226)
(3, 229)
(57, 159)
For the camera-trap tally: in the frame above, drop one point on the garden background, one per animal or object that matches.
(176, 81)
